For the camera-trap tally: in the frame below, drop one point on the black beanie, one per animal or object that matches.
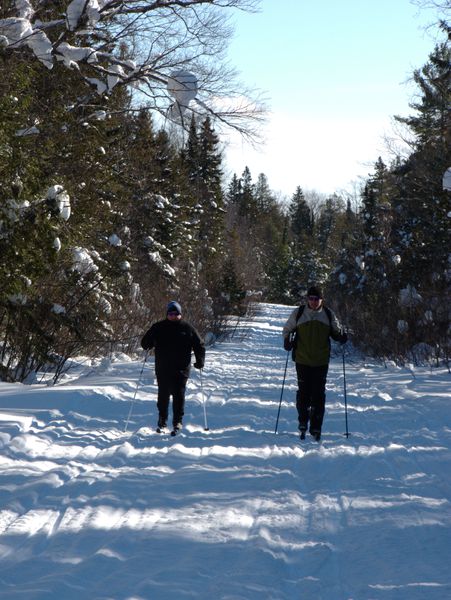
(314, 290)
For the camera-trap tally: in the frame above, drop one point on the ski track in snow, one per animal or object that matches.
(89, 511)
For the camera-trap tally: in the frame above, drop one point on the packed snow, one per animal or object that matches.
(235, 512)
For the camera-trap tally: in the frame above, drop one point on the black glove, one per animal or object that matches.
(198, 364)
(344, 338)
(287, 343)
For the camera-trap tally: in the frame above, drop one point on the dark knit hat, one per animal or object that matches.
(174, 306)
(315, 290)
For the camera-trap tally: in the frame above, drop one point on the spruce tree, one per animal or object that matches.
(300, 214)
(60, 180)
(422, 206)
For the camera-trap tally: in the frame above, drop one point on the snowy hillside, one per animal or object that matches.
(88, 512)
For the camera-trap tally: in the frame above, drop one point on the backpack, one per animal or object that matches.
(298, 316)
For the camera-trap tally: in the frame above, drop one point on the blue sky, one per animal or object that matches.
(334, 72)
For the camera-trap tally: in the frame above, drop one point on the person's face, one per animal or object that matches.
(314, 302)
(173, 315)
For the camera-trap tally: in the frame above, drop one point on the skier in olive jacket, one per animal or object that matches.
(173, 340)
(312, 325)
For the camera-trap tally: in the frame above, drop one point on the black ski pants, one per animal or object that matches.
(311, 396)
(171, 383)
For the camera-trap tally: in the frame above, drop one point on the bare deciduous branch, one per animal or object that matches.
(140, 44)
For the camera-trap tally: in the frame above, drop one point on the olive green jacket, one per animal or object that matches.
(313, 331)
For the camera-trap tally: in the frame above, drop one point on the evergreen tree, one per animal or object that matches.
(62, 264)
(305, 265)
(278, 273)
(422, 206)
(397, 265)
(306, 268)
(235, 189)
(326, 226)
(301, 217)
(264, 197)
(242, 223)
(247, 201)
(210, 198)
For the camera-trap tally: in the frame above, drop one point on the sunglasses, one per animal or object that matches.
(173, 313)
(313, 298)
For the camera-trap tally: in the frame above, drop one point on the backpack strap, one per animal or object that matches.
(295, 337)
(326, 310)
(329, 314)
(299, 313)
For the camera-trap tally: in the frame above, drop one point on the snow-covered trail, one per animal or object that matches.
(235, 513)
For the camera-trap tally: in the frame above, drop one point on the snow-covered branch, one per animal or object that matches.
(140, 44)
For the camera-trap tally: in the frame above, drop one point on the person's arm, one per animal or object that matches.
(337, 332)
(199, 349)
(288, 329)
(148, 340)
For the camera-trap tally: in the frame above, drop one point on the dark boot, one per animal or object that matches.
(161, 424)
(316, 434)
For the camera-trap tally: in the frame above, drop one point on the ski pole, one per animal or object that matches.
(344, 391)
(136, 391)
(206, 428)
(281, 391)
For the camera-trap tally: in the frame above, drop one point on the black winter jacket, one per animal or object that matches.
(173, 342)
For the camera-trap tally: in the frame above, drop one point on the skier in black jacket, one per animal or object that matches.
(173, 340)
